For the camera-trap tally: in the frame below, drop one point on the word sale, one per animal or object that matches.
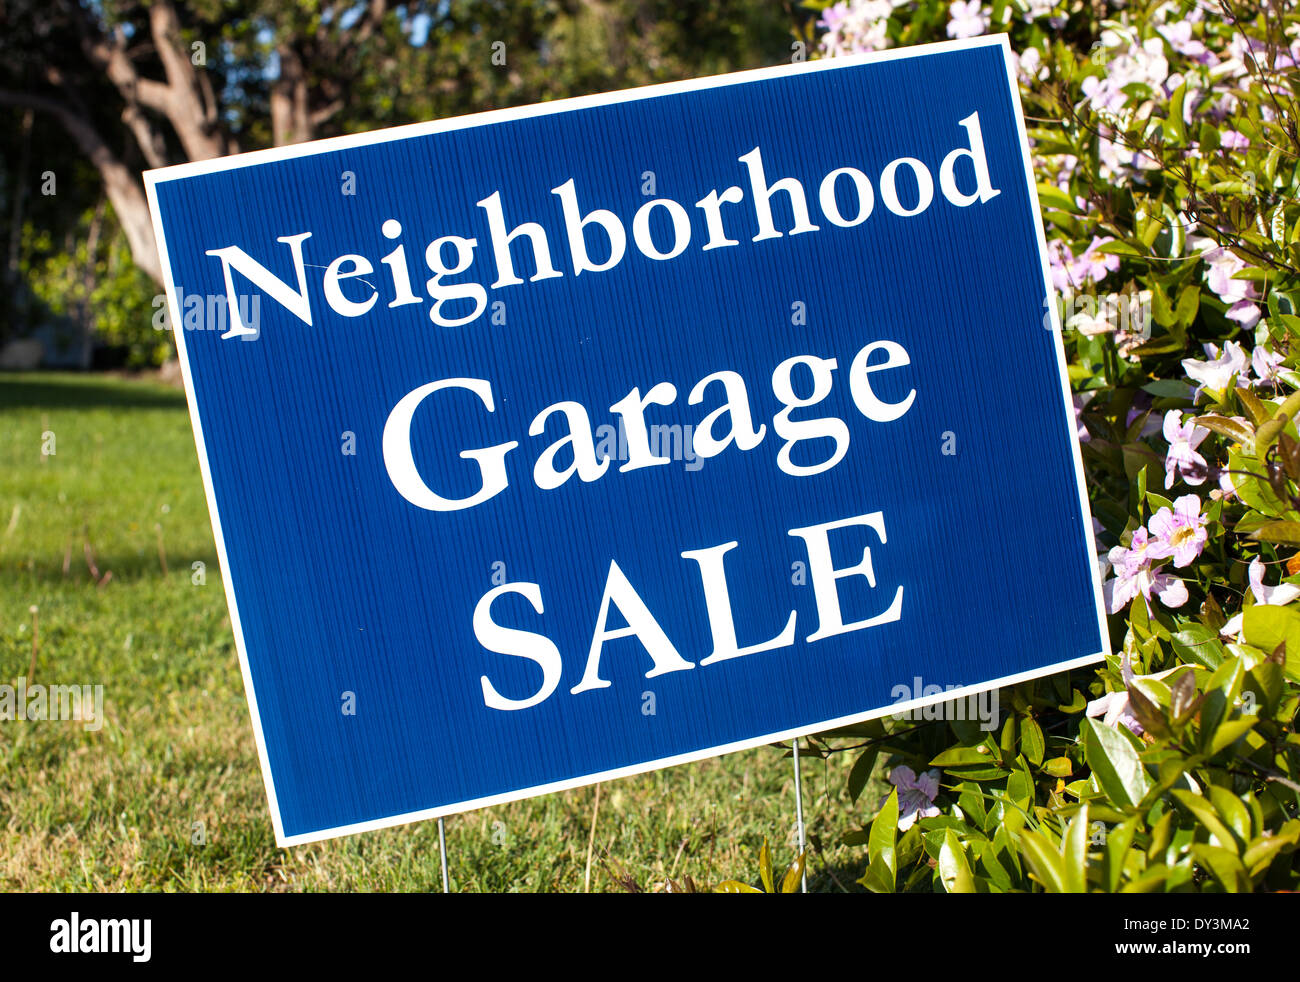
(823, 574)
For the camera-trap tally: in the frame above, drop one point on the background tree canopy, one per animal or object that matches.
(93, 92)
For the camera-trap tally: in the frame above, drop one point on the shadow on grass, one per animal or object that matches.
(126, 569)
(836, 878)
(68, 391)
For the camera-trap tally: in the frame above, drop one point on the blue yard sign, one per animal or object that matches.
(562, 443)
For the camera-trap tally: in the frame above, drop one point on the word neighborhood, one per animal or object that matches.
(459, 303)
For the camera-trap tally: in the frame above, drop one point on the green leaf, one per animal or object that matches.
(884, 834)
(1233, 812)
(878, 877)
(1269, 431)
(1189, 305)
(1059, 767)
(1148, 712)
(1163, 345)
(1050, 196)
(1257, 410)
(1044, 861)
(970, 799)
(1262, 850)
(1225, 867)
(1004, 843)
(1264, 681)
(1230, 731)
(1020, 783)
(1167, 388)
(1115, 764)
(1209, 140)
(735, 886)
(1267, 626)
(1119, 248)
(1233, 429)
(793, 876)
(1078, 702)
(1282, 533)
(954, 870)
(765, 867)
(1199, 645)
(1032, 742)
(1158, 501)
(1074, 862)
(1010, 736)
(909, 847)
(1118, 842)
(973, 763)
(964, 757)
(1175, 126)
(1220, 696)
(1153, 879)
(1204, 813)
(993, 869)
(861, 772)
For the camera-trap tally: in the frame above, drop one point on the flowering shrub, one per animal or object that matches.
(1164, 140)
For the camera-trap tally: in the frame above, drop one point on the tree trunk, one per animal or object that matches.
(193, 117)
(20, 195)
(120, 184)
(87, 316)
(291, 120)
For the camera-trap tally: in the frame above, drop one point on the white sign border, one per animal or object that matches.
(162, 175)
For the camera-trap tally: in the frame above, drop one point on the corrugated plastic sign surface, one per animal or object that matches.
(566, 442)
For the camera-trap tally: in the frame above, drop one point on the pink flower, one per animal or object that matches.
(1135, 556)
(1179, 533)
(1061, 260)
(1134, 575)
(1244, 313)
(1226, 488)
(1094, 264)
(853, 28)
(1114, 707)
(1141, 408)
(1222, 266)
(1030, 67)
(1182, 457)
(1080, 400)
(1266, 364)
(1179, 36)
(1275, 596)
(968, 19)
(1131, 581)
(1070, 271)
(1217, 373)
(915, 795)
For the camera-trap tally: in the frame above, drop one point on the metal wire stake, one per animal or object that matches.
(442, 851)
(798, 812)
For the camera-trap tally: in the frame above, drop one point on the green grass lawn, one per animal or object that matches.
(115, 809)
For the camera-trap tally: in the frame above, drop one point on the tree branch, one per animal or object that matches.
(184, 105)
(120, 183)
